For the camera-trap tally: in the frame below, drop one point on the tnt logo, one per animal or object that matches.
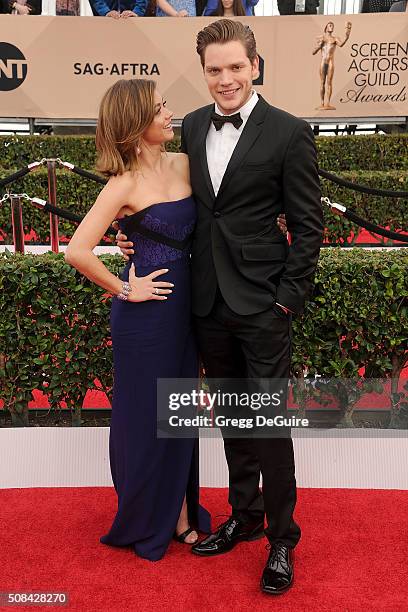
(13, 67)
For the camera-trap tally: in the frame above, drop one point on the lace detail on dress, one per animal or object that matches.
(171, 230)
(151, 253)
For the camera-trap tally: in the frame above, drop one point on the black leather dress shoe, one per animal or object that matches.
(227, 536)
(278, 574)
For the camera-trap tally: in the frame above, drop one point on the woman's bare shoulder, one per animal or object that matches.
(121, 183)
(180, 162)
(178, 158)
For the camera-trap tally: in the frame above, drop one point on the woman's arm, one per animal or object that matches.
(79, 253)
(167, 8)
(93, 227)
(101, 8)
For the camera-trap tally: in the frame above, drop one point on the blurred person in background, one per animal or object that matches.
(298, 7)
(21, 7)
(177, 8)
(68, 8)
(119, 9)
(200, 6)
(150, 9)
(165, 9)
(230, 8)
(376, 6)
(399, 7)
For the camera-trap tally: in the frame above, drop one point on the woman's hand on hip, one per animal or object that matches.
(147, 287)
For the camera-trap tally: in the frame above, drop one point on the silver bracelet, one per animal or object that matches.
(126, 289)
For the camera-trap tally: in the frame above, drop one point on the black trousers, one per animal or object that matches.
(254, 346)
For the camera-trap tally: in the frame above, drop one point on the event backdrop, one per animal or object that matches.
(316, 66)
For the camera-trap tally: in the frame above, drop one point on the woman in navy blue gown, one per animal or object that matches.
(156, 479)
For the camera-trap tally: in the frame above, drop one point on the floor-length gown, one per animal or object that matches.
(151, 340)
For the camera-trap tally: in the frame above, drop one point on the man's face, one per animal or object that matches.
(229, 75)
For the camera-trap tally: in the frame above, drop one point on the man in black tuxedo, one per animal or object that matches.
(249, 162)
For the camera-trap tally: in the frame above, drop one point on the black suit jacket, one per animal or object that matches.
(237, 243)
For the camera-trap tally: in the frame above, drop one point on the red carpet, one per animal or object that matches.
(353, 556)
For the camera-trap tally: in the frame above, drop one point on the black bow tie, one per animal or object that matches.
(219, 120)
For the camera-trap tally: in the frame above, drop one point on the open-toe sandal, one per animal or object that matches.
(181, 537)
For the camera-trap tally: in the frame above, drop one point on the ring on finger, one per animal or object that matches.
(157, 291)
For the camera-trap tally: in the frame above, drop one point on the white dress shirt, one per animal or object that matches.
(221, 144)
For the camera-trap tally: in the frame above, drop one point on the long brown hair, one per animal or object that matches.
(237, 8)
(125, 112)
(223, 31)
(151, 8)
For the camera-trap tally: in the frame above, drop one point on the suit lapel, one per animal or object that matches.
(250, 133)
(202, 136)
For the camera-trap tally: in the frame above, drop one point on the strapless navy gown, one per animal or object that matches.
(153, 339)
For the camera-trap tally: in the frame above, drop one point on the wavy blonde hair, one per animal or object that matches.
(126, 111)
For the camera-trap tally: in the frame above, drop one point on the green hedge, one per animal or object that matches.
(377, 161)
(386, 212)
(74, 193)
(78, 194)
(54, 325)
(336, 154)
(18, 151)
(374, 152)
(54, 331)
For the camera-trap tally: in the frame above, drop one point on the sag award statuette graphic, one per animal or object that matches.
(327, 43)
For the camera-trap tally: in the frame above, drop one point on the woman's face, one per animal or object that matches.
(160, 130)
(227, 4)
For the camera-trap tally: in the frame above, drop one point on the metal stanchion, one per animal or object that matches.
(17, 223)
(52, 197)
